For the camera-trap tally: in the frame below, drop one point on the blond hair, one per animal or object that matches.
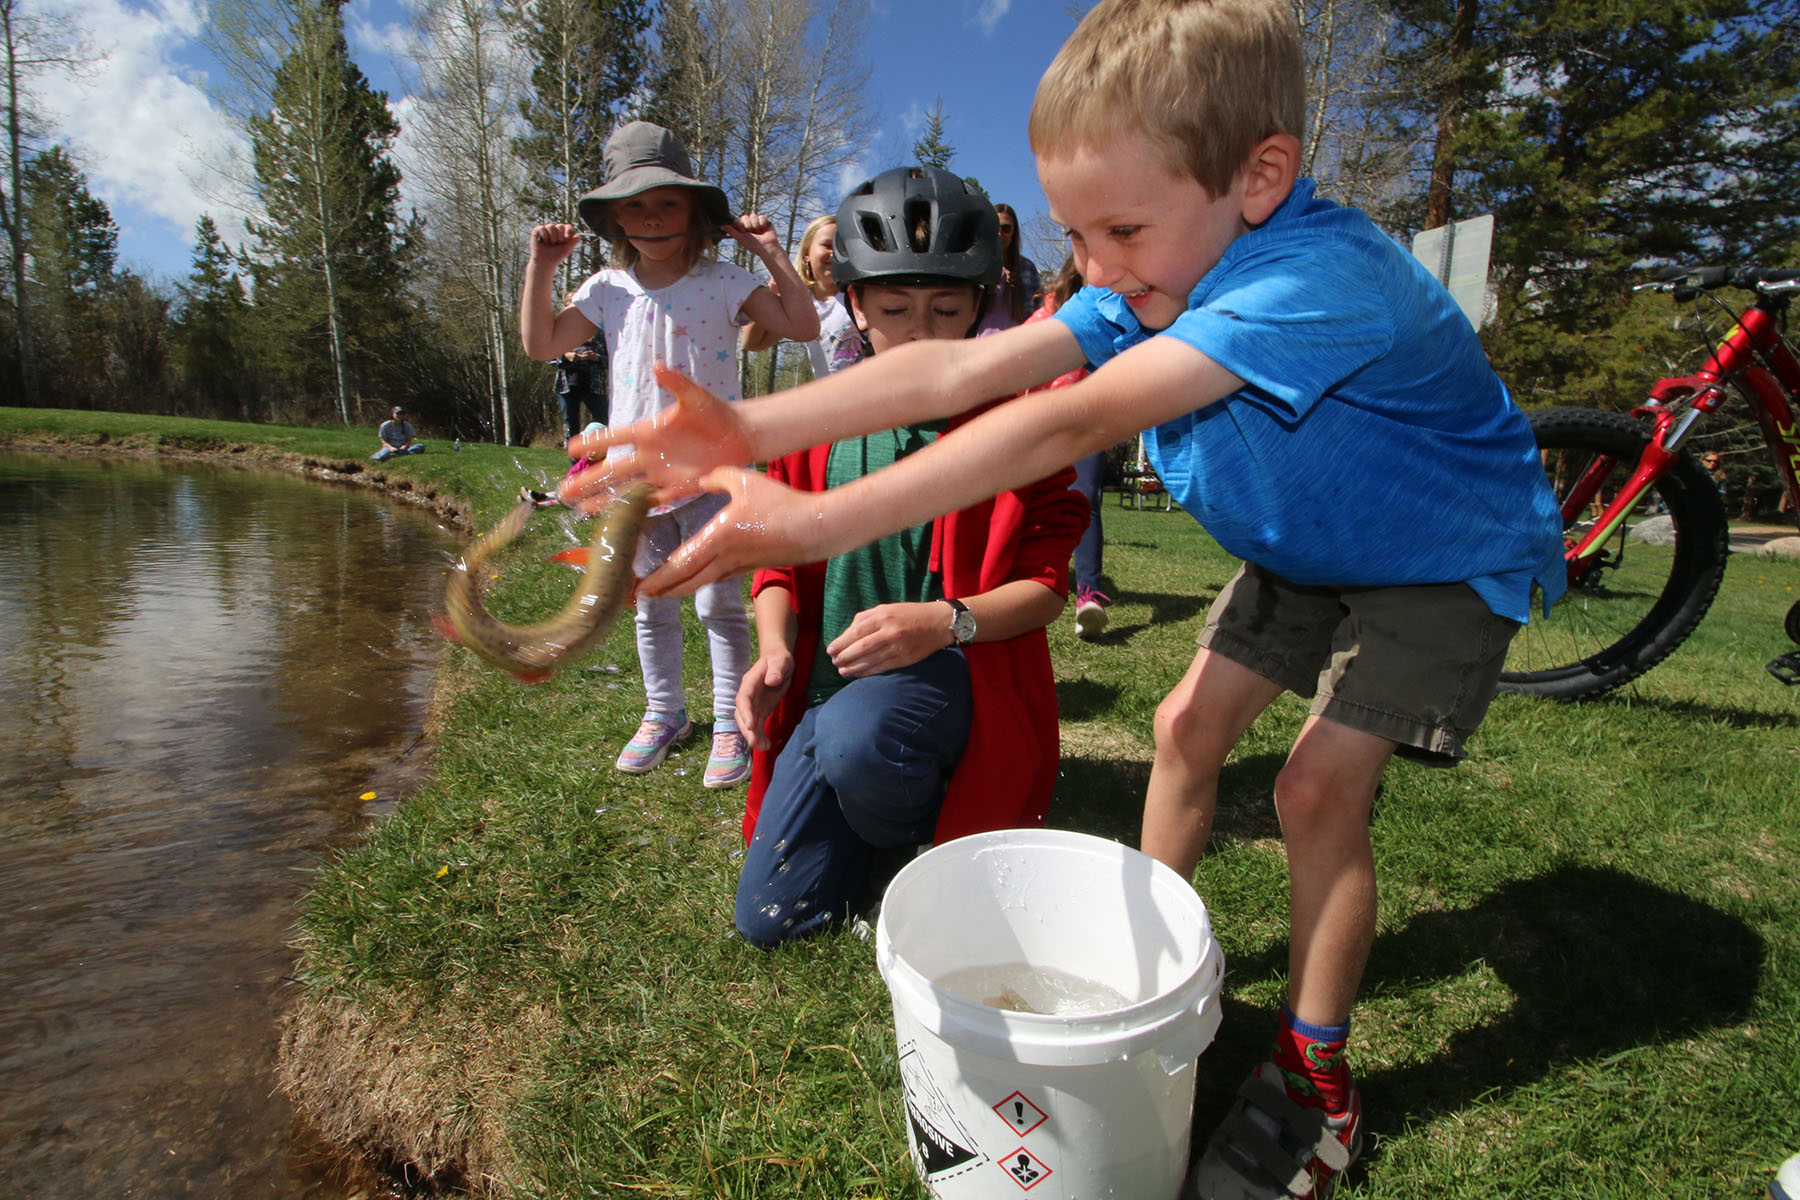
(802, 261)
(1204, 80)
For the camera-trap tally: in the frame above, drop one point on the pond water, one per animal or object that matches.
(203, 671)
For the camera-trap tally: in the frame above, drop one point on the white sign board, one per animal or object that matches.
(1458, 255)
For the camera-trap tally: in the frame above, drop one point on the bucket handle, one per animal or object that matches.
(1180, 1052)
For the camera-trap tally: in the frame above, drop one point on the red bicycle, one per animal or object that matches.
(1643, 522)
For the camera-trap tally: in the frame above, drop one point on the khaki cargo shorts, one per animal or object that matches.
(1416, 664)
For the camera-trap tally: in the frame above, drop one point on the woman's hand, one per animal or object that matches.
(672, 450)
(761, 689)
(889, 637)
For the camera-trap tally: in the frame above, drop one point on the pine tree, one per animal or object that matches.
(211, 328)
(933, 149)
(74, 251)
(331, 257)
(1603, 138)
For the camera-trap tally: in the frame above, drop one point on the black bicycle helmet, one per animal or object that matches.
(916, 225)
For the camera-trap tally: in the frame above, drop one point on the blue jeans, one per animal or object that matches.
(1088, 549)
(383, 454)
(864, 772)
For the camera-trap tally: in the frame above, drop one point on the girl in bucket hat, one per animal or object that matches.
(666, 301)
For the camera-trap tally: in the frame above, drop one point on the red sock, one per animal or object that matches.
(1314, 1061)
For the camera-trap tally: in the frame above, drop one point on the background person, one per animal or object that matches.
(1090, 601)
(1020, 290)
(839, 344)
(396, 437)
(581, 383)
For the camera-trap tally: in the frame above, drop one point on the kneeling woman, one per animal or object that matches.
(903, 693)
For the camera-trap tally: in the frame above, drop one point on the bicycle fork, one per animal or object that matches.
(1652, 464)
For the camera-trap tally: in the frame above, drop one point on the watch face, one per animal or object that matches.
(962, 626)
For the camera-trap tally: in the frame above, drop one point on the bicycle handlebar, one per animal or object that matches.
(1687, 282)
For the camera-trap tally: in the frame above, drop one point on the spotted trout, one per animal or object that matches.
(534, 652)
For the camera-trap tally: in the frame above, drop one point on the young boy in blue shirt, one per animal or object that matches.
(1316, 400)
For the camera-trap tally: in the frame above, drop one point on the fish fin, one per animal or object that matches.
(441, 623)
(533, 677)
(574, 556)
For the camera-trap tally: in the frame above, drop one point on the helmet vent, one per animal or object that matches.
(872, 232)
(959, 235)
(917, 214)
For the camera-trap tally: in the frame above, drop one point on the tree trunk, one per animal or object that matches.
(1449, 116)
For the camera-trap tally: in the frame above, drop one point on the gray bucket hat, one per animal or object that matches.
(640, 156)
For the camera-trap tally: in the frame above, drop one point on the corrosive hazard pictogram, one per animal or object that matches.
(1020, 1113)
(1026, 1171)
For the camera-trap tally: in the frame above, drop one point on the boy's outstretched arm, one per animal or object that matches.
(919, 382)
(1017, 443)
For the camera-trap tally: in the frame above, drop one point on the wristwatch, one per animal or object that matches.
(962, 622)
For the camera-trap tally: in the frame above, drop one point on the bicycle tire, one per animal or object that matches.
(1640, 602)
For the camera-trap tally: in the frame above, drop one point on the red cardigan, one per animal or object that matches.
(1007, 773)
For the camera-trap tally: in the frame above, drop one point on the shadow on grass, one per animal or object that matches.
(1085, 699)
(1737, 718)
(1105, 796)
(1598, 963)
(1100, 796)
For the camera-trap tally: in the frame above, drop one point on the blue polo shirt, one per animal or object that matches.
(1372, 444)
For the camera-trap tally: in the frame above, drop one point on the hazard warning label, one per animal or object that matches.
(1026, 1170)
(1019, 1112)
(941, 1147)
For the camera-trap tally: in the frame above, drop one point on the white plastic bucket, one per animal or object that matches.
(1002, 1104)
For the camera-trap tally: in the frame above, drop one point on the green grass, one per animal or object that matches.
(1586, 980)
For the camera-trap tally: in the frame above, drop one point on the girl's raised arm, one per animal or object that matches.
(787, 309)
(547, 334)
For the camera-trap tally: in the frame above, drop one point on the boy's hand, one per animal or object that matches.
(889, 637)
(552, 243)
(766, 524)
(756, 233)
(761, 689)
(672, 449)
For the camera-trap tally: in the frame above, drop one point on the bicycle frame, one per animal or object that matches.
(1755, 360)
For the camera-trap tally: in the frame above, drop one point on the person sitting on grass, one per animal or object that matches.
(1315, 399)
(903, 691)
(396, 437)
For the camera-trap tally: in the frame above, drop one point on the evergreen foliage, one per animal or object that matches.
(1605, 138)
(331, 259)
(933, 149)
(212, 330)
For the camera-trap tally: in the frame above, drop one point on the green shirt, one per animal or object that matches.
(894, 570)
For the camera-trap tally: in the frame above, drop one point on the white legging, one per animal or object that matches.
(719, 605)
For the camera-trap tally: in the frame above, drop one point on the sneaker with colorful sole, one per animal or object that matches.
(652, 741)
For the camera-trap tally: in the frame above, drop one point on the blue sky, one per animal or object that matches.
(141, 126)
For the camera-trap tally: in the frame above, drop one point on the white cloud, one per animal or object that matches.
(912, 121)
(140, 124)
(989, 13)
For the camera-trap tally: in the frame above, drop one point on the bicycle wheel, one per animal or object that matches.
(1638, 601)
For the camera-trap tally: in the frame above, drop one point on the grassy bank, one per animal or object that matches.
(1586, 980)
